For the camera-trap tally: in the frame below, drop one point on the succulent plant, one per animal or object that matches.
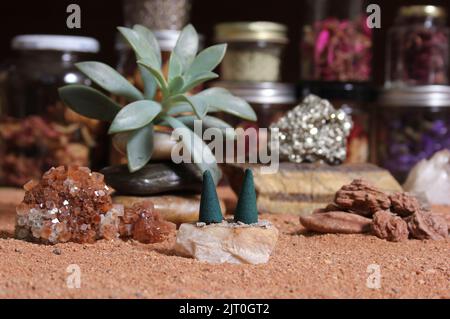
(176, 109)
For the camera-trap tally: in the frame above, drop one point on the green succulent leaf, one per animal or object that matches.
(175, 67)
(187, 46)
(210, 122)
(156, 73)
(145, 46)
(141, 47)
(199, 106)
(146, 35)
(134, 116)
(201, 154)
(150, 84)
(207, 60)
(140, 148)
(176, 85)
(197, 79)
(180, 108)
(89, 102)
(110, 80)
(220, 100)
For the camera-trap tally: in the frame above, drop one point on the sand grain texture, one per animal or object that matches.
(302, 266)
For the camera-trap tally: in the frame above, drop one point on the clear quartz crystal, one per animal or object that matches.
(431, 179)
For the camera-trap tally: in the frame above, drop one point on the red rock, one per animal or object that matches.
(425, 225)
(387, 226)
(404, 204)
(361, 198)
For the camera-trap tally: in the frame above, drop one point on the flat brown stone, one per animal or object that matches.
(177, 209)
(336, 223)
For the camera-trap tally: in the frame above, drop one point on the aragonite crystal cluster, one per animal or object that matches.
(74, 204)
(142, 223)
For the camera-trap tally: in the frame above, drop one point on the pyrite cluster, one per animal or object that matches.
(314, 131)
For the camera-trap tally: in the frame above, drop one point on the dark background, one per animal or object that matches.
(100, 17)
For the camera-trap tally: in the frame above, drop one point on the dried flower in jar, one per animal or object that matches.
(418, 47)
(31, 145)
(425, 53)
(337, 50)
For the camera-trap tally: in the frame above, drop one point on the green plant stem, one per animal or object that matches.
(165, 89)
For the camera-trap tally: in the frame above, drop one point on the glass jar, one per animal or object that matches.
(157, 14)
(410, 124)
(3, 78)
(418, 47)
(36, 130)
(270, 101)
(254, 50)
(336, 42)
(354, 99)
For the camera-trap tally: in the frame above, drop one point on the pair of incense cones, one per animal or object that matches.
(246, 210)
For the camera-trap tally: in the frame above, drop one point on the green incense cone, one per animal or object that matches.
(246, 211)
(210, 211)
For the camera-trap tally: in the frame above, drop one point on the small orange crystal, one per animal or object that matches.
(145, 225)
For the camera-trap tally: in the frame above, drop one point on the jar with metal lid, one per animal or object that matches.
(418, 47)
(336, 42)
(355, 99)
(157, 14)
(36, 130)
(254, 50)
(270, 101)
(410, 124)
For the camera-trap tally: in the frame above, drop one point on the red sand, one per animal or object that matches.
(302, 266)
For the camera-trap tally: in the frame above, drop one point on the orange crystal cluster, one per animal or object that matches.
(74, 204)
(143, 224)
(67, 204)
